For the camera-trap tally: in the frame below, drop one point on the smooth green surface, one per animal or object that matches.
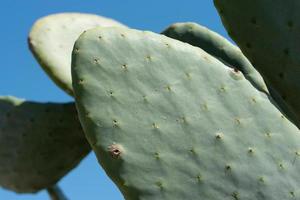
(219, 47)
(52, 38)
(267, 31)
(39, 143)
(169, 121)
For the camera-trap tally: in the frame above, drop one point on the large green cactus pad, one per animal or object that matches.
(267, 31)
(217, 46)
(52, 38)
(225, 51)
(39, 143)
(169, 121)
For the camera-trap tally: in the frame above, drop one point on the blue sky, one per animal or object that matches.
(22, 77)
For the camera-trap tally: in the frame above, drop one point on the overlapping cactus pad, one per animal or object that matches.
(39, 143)
(52, 38)
(217, 46)
(169, 121)
(268, 34)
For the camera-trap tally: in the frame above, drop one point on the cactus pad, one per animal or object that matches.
(268, 34)
(226, 52)
(217, 46)
(169, 121)
(52, 38)
(39, 143)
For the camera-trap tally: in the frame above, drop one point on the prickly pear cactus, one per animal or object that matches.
(52, 38)
(268, 34)
(39, 143)
(169, 121)
(217, 46)
(226, 52)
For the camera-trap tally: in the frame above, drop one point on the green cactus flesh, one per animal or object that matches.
(268, 34)
(52, 38)
(217, 46)
(39, 143)
(168, 121)
(226, 52)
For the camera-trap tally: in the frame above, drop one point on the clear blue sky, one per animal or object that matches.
(22, 77)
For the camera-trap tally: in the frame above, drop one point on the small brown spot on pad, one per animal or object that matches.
(115, 150)
(235, 74)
